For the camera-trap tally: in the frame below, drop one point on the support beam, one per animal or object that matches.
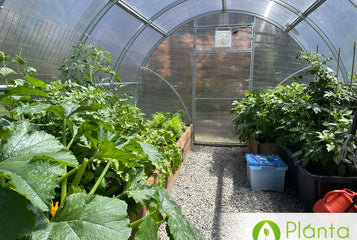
(96, 20)
(224, 5)
(305, 14)
(172, 88)
(140, 17)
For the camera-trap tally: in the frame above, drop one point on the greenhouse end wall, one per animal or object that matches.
(193, 76)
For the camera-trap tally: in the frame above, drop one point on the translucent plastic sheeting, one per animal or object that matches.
(240, 37)
(156, 95)
(73, 14)
(275, 56)
(301, 5)
(186, 11)
(266, 8)
(339, 24)
(112, 34)
(172, 60)
(42, 42)
(213, 122)
(222, 75)
(134, 58)
(313, 42)
(224, 19)
(148, 8)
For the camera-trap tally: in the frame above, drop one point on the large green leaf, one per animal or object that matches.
(18, 216)
(147, 230)
(30, 160)
(35, 179)
(107, 149)
(153, 154)
(137, 189)
(4, 71)
(32, 108)
(66, 110)
(22, 90)
(178, 226)
(35, 82)
(25, 144)
(88, 217)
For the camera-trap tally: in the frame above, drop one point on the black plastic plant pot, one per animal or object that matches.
(313, 187)
(292, 174)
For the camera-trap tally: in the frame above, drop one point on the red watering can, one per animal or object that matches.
(337, 201)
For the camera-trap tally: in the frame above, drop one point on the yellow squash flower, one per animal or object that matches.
(54, 209)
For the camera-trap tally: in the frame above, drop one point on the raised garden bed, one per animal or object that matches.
(186, 143)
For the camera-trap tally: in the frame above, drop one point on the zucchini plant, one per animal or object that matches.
(74, 161)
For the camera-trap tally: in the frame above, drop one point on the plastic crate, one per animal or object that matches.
(266, 171)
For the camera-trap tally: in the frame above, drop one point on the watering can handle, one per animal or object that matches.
(354, 125)
(349, 192)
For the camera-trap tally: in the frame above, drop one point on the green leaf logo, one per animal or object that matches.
(266, 230)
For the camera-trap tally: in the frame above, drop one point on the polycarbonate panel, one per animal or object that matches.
(148, 8)
(264, 8)
(312, 41)
(186, 11)
(213, 121)
(340, 25)
(301, 5)
(275, 56)
(224, 19)
(173, 60)
(154, 95)
(240, 37)
(73, 14)
(130, 66)
(42, 42)
(111, 33)
(222, 75)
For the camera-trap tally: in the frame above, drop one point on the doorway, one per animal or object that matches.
(222, 72)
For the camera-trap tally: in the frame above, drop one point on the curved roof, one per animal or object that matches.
(131, 28)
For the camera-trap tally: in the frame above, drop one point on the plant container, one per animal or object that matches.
(314, 187)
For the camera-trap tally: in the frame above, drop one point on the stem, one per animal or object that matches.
(64, 137)
(64, 181)
(80, 172)
(67, 175)
(2, 182)
(97, 183)
(64, 188)
(71, 142)
(136, 223)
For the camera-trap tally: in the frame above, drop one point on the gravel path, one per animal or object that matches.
(213, 184)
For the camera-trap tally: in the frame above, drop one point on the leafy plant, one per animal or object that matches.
(83, 148)
(89, 65)
(312, 118)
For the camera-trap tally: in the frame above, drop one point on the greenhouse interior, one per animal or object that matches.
(138, 119)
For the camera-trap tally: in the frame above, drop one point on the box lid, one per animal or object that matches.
(264, 159)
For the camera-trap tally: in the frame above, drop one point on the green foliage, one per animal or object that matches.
(20, 216)
(163, 131)
(88, 149)
(88, 217)
(89, 65)
(312, 118)
(170, 122)
(28, 163)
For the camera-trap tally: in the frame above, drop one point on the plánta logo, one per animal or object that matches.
(266, 230)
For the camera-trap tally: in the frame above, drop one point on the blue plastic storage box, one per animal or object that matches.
(266, 171)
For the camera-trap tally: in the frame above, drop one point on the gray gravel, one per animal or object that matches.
(213, 184)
